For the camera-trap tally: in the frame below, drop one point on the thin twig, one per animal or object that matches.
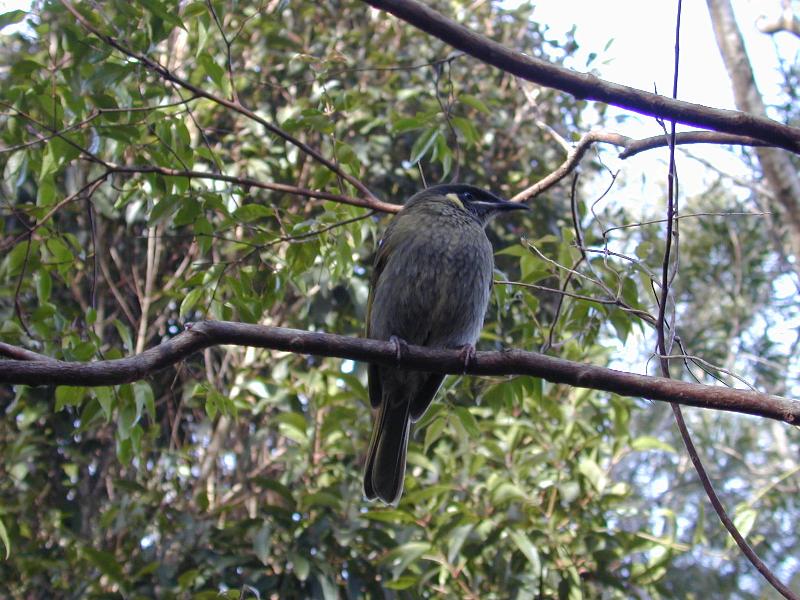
(168, 75)
(666, 280)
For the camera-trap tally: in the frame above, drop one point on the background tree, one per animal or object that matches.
(133, 203)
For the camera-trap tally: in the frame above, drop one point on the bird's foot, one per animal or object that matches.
(400, 346)
(467, 355)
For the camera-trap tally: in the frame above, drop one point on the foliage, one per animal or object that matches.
(239, 471)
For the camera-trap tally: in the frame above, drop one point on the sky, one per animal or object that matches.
(643, 33)
(641, 55)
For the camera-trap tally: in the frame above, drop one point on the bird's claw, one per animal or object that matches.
(400, 346)
(467, 355)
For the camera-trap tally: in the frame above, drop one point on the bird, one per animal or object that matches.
(430, 286)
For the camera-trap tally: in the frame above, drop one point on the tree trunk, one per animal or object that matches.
(779, 173)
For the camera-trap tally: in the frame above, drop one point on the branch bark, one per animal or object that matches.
(585, 85)
(786, 21)
(29, 369)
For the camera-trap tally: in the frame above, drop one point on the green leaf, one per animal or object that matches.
(262, 543)
(467, 129)
(468, 421)
(59, 251)
(744, 519)
(124, 449)
(44, 285)
(11, 17)
(647, 442)
(125, 335)
(105, 397)
(401, 557)
(190, 301)
(401, 583)
(593, 473)
(390, 516)
(107, 564)
(408, 124)
(164, 209)
(164, 11)
(301, 565)
(422, 145)
(69, 396)
(126, 419)
(475, 103)
(527, 548)
(507, 491)
(455, 541)
(252, 212)
(4, 539)
(329, 589)
(294, 426)
(433, 432)
(194, 9)
(143, 396)
(15, 259)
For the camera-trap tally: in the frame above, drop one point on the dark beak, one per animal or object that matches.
(500, 205)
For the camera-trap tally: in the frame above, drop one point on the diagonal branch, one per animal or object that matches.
(585, 85)
(631, 147)
(168, 75)
(204, 334)
(246, 182)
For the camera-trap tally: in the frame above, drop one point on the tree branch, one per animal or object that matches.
(786, 21)
(631, 147)
(585, 85)
(168, 75)
(246, 182)
(204, 334)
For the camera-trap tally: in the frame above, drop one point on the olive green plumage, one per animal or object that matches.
(430, 287)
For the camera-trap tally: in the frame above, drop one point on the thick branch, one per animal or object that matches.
(585, 85)
(787, 21)
(634, 147)
(513, 362)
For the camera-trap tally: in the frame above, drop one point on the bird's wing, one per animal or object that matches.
(427, 389)
(375, 386)
(381, 258)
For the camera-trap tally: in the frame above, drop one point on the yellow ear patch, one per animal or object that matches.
(455, 200)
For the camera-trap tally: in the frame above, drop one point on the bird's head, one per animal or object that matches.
(480, 204)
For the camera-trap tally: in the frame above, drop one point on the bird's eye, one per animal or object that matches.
(467, 197)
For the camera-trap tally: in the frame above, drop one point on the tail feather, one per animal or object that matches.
(386, 457)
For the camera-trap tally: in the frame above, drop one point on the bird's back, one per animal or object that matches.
(434, 283)
(430, 286)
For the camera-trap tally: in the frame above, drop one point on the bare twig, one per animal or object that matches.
(17, 353)
(247, 182)
(87, 190)
(666, 281)
(631, 147)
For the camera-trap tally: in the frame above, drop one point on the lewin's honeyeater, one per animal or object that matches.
(430, 286)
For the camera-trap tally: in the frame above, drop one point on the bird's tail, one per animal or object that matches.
(386, 457)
